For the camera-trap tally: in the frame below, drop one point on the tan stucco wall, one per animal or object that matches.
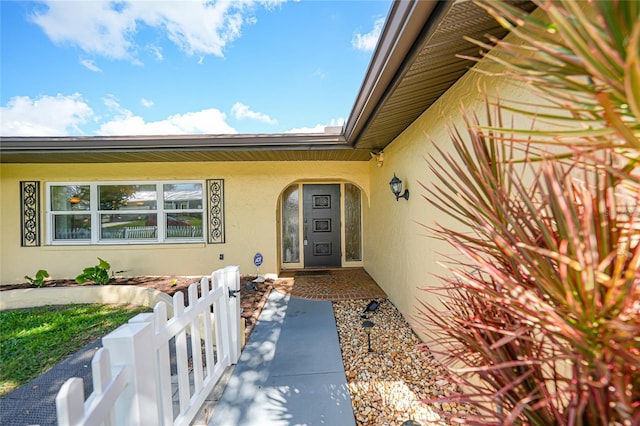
(252, 190)
(400, 255)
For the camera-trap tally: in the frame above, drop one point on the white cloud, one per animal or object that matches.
(58, 115)
(320, 74)
(108, 28)
(90, 65)
(63, 116)
(112, 103)
(156, 51)
(146, 102)
(368, 41)
(318, 128)
(241, 111)
(94, 26)
(125, 123)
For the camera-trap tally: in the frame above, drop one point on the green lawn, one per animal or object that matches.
(34, 340)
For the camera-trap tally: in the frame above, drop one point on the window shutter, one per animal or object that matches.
(215, 203)
(30, 213)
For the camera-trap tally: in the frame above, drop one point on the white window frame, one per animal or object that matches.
(95, 214)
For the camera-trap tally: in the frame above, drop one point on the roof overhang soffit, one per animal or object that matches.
(408, 26)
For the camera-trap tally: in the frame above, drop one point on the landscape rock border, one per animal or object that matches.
(392, 384)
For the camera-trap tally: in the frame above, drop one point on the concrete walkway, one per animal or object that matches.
(35, 402)
(290, 372)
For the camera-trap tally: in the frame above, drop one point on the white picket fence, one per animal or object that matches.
(132, 378)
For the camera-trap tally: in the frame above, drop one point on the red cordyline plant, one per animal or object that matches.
(540, 315)
(582, 58)
(541, 318)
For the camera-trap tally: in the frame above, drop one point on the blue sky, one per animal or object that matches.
(87, 68)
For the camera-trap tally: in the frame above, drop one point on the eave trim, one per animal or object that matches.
(409, 23)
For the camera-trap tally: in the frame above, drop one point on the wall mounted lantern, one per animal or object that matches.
(396, 188)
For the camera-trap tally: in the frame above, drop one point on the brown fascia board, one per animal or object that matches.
(408, 24)
(297, 141)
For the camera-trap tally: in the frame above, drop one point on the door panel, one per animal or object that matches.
(321, 226)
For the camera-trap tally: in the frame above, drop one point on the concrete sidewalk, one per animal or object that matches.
(290, 372)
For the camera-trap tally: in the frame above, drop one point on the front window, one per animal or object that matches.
(183, 210)
(128, 212)
(125, 212)
(70, 207)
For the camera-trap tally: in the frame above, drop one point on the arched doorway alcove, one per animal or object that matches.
(320, 225)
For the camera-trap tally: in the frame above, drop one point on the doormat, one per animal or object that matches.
(312, 273)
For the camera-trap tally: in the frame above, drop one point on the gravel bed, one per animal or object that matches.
(388, 384)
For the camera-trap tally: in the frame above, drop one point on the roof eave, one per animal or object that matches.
(13, 145)
(408, 23)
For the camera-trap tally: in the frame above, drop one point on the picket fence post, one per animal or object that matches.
(70, 402)
(232, 281)
(137, 353)
(131, 346)
(221, 315)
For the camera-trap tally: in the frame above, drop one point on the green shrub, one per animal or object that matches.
(99, 274)
(39, 279)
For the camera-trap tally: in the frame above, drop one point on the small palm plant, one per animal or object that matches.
(540, 321)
